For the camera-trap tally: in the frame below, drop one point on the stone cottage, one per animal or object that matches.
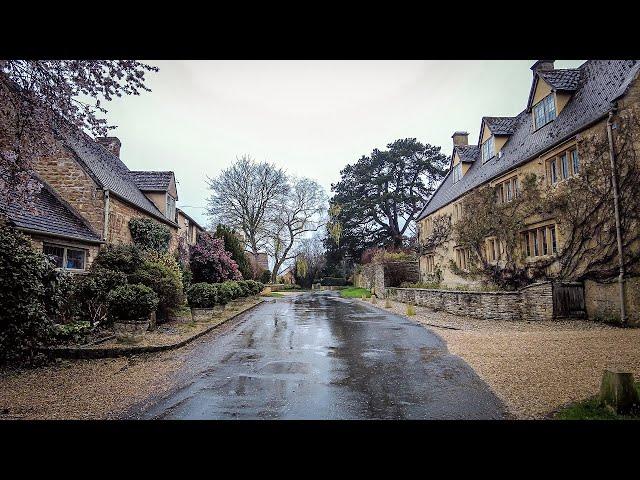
(564, 110)
(88, 197)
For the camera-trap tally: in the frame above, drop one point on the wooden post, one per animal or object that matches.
(618, 391)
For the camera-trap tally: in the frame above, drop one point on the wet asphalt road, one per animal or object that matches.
(318, 356)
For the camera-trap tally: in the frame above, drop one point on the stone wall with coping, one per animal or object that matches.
(531, 303)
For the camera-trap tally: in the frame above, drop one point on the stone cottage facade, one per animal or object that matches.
(564, 107)
(88, 197)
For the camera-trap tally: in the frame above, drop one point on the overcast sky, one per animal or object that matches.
(310, 117)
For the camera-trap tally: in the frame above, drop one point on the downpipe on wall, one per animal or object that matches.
(616, 205)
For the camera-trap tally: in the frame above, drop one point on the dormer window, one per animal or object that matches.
(488, 149)
(544, 111)
(170, 211)
(457, 172)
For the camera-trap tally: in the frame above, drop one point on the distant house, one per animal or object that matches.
(259, 261)
(287, 276)
(188, 227)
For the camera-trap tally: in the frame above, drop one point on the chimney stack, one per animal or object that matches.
(542, 65)
(110, 143)
(460, 138)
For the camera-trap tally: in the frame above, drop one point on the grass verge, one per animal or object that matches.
(590, 409)
(354, 292)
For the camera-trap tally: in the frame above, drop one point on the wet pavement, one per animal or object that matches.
(319, 356)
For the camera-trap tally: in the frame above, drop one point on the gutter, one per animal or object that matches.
(59, 235)
(616, 207)
(105, 225)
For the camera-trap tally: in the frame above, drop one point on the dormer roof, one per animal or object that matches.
(561, 80)
(466, 153)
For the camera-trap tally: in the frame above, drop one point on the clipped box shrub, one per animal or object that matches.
(132, 302)
(255, 287)
(236, 291)
(244, 286)
(203, 295)
(225, 293)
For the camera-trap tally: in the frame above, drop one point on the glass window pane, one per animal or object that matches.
(554, 172)
(565, 166)
(56, 254)
(575, 161)
(75, 259)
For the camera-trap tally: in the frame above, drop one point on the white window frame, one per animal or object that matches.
(457, 172)
(170, 208)
(65, 248)
(547, 107)
(488, 149)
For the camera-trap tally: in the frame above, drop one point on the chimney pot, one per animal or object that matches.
(110, 143)
(542, 65)
(460, 138)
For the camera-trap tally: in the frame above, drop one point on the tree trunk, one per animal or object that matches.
(618, 391)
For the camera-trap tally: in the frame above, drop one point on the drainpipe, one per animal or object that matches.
(105, 227)
(616, 204)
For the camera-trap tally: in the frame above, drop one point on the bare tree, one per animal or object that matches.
(310, 260)
(302, 211)
(40, 98)
(244, 196)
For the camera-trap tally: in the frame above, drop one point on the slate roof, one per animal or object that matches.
(110, 172)
(500, 125)
(467, 153)
(566, 80)
(601, 82)
(52, 217)
(151, 181)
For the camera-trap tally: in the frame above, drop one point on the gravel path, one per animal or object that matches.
(535, 367)
(93, 389)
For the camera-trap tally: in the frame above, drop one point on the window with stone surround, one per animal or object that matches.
(492, 249)
(564, 165)
(66, 258)
(462, 258)
(540, 241)
(507, 190)
(429, 263)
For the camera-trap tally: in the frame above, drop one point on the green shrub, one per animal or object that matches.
(24, 325)
(149, 234)
(203, 295)
(74, 332)
(121, 258)
(225, 293)
(236, 291)
(244, 286)
(265, 276)
(88, 298)
(255, 287)
(162, 274)
(132, 302)
(59, 303)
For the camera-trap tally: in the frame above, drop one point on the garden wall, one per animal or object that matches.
(531, 303)
(377, 276)
(602, 300)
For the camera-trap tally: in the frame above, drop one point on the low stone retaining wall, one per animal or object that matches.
(534, 302)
